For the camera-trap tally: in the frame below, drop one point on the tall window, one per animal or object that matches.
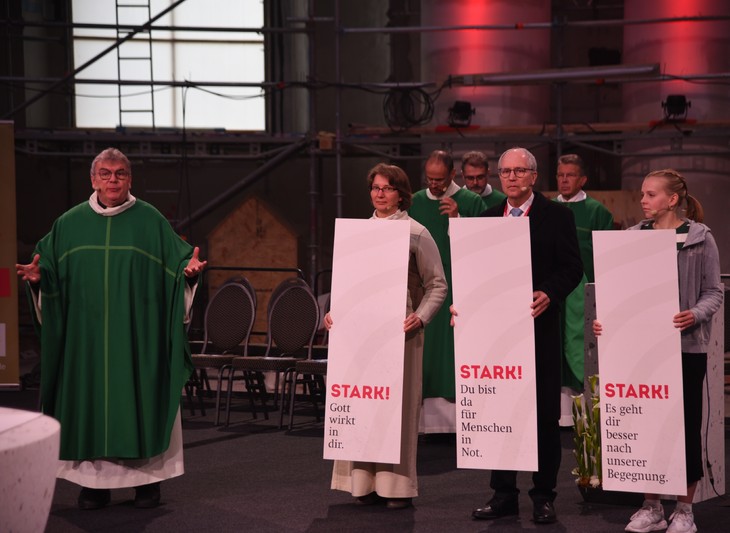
(192, 56)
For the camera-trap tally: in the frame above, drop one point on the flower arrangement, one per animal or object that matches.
(587, 436)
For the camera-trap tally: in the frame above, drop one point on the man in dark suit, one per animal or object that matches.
(556, 270)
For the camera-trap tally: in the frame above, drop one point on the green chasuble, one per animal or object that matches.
(115, 355)
(438, 345)
(493, 198)
(589, 215)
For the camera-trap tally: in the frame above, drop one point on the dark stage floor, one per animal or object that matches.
(253, 477)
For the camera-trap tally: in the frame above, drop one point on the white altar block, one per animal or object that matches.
(367, 342)
(29, 446)
(640, 362)
(494, 343)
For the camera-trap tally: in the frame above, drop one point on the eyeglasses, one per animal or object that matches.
(478, 177)
(385, 189)
(106, 174)
(519, 172)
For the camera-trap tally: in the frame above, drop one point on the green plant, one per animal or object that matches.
(587, 436)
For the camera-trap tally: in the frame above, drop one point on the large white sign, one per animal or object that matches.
(367, 342)
(639, 361)
(494, 343)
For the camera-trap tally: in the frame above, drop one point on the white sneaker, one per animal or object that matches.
(682, 522)
(647, 519)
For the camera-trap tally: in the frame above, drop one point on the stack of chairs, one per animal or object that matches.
(293, 318)
(310, 374)
(229, 319)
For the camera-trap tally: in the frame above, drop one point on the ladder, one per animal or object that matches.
(134, 61)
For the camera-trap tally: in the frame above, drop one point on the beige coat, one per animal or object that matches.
(426, 292)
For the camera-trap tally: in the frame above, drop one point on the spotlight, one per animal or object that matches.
(460, 114)
(675, 107)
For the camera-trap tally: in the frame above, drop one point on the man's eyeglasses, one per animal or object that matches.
(385, 189)
(478, 177)
(519, 172)
(106, 174)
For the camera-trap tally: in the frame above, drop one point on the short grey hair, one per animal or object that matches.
(110, 154)
(476, 159)
(573, 159)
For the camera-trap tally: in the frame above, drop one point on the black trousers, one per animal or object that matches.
(694, 368)
(549, 453)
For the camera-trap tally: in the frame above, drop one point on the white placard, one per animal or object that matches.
(494, 343)
(640, 362)
(367, 342)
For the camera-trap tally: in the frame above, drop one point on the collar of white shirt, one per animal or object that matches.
(524, 206)
(577, 197)
(451, 190)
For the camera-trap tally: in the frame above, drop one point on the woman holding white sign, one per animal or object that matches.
(667, 203)
(390, 194)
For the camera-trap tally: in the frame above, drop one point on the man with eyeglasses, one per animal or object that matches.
(433, 207)
(111, 286)
(475, 172)
(556, 270)
(590, 215)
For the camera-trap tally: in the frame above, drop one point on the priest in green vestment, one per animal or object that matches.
(590, 215)
(475, 172)
(432, 207)
(111, 285)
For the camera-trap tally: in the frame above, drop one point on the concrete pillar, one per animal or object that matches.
(488, 51)
(681, 48)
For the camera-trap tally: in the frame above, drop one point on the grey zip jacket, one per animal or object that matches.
(700, 290)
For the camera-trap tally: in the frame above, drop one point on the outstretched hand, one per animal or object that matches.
(30, 272)
(195, 265)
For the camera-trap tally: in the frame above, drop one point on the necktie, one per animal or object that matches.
(515, 211)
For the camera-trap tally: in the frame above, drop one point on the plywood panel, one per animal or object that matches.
(253, 235)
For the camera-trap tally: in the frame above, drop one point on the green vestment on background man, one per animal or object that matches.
(114, 349)
(493, 198)
(589, 215)
(438, 344)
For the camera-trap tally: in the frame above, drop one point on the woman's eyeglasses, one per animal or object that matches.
(385, 189)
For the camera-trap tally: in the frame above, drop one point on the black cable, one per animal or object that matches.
(405, 108)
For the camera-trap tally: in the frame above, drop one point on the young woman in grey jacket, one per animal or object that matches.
(668, 205)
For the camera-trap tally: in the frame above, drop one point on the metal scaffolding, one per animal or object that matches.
(357, 141)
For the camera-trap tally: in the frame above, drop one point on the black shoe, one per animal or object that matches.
(91, 499)
(368, 499)
(147, 496)
(544, 512)
(496, 508)
(399, 503)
